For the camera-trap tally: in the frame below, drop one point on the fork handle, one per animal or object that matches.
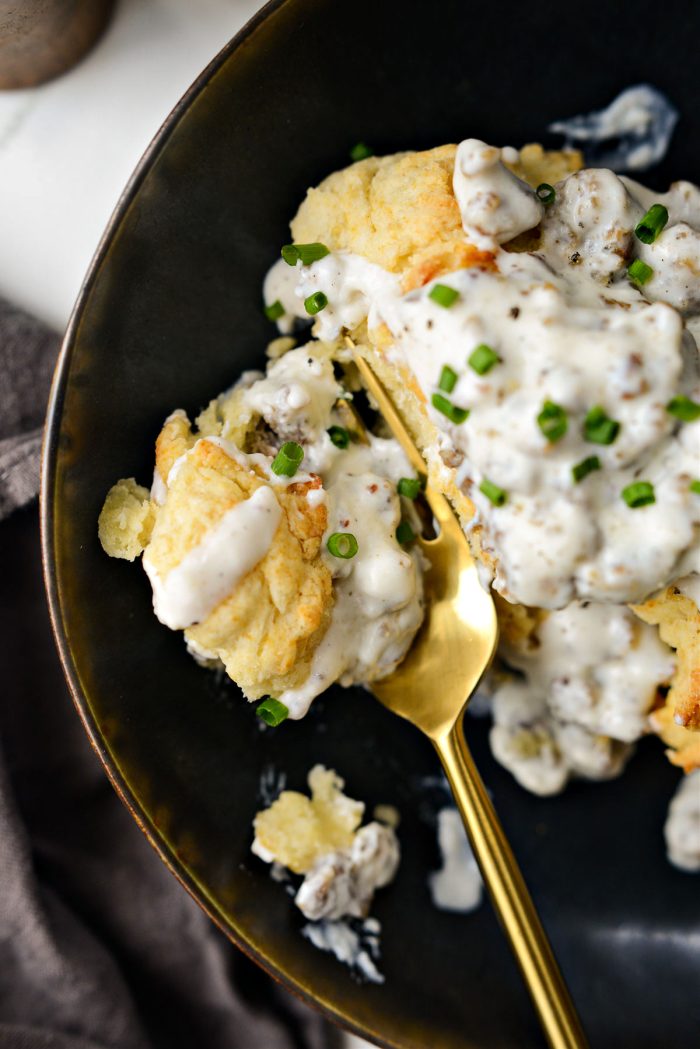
(510, 895)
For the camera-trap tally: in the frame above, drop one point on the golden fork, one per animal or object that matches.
(431, 689)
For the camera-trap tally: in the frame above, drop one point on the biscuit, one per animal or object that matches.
(126, 520)
(400, 212)
(678, 721)
(266, 631)
(296, 830)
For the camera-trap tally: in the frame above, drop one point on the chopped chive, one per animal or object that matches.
(546, 193)
(274, 311)
(498, 496)
(599, 428)
(288, 459)
(306, 253)
(553, 421)
(339, 436)
(651, 225)
(641, 493)
(482, 359)
(585, 467)
(272, 711)
(342, 544)
(290, 254)
(360, 152)
(448, 379)
(639, 272)
(405, 534)
(443, 295)
(454, 414)
(315, 303)
(410, 487)
(310, 253)
(684, 409)
(694, 486)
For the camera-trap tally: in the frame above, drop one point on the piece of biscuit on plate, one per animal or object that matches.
(678, 720)
(297, 830)
(400, 211)
(126, 520)
(266, 630)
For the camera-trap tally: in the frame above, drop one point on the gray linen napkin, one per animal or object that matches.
(100, 948)
(27, 356)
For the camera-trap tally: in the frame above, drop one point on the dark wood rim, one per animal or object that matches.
(47, 520)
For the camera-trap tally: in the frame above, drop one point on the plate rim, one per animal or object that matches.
(47, 519)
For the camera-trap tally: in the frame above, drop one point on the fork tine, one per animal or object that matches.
(388, 411)
(440, 506)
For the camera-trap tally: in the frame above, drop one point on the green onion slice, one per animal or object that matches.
(405, 534)
(599, 428)
(410, 487)
(694, 486)
(639, 272)
(304, 253)
(641, 493)
(454, 414)
(482, 359)
(288, 459)
(272, 711)
(448, 379)
(651, 225)
(546, 193)
(342, 544)
(498, 496)
(339, 436)
(315, 303)
(684, 409)
(585, 467)
(360, 152)
(443, 295)
(290, 254)
(553, 421)
(274, 311)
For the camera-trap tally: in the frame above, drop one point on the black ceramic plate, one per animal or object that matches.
(169, 315)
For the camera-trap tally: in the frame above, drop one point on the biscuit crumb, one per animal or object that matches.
(678, 620)
(297, 831)
(126, 520)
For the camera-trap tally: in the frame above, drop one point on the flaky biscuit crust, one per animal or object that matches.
(400, 211)
(266, 631)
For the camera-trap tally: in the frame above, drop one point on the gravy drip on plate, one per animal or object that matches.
(457, 886)
(682, 829)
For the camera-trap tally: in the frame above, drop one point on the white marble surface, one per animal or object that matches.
(68, 147)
